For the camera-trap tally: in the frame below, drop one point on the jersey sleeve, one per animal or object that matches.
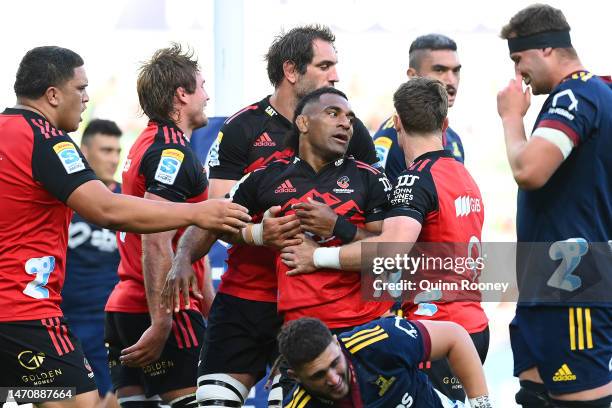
(568, 116)
(59, 165)
(414, 195)
(390, 155)
(172, 172)
(229, 153)
(408, 340)
(377, 199)
(361, 145)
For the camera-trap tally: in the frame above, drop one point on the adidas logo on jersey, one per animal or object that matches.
(564, 374)
(264, 141)
(466, 205)
(286, 187)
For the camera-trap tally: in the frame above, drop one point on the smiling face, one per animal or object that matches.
(532, 65)
(72, 98)
(328, 126)
(327, 375)
(320, 72)
(196, 103)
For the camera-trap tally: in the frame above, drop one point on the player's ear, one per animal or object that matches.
(411, 73)
(397, 123)
(445, 124)
(547, 52)
(302, 123)
(181, 94)
(290, 71)
(53, 96)
(291, 374)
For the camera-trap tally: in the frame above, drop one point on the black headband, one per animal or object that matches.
(553, 39)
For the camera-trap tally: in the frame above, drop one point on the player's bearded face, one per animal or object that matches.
(330, 126)
(320, 72)
(327, 375)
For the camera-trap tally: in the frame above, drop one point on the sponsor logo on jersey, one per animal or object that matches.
(69, 157)
(384, 384)
(264, 140)
(213, 155)
(465, 205)
(30, 360)
(343, 183)
(406, 180)
(169, 165)
(564, 374)
(127, 165)
(382, 146)
(286, 187)
(270, 111)
(407, 401)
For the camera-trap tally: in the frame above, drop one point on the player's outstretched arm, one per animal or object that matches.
(127, 213)
(452, 341)
(307, 257)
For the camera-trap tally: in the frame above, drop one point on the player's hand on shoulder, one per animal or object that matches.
(512, 101)
(316, 217)
(300, 257)
(180, 279)
(280, 232)
(222, 216)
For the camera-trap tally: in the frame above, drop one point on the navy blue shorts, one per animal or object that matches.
(570, 346)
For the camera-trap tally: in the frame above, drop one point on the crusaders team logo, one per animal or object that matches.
(343, 182)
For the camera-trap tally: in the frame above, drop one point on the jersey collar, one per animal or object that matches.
(269, 110)
(434, 155)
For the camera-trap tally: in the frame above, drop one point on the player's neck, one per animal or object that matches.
(182, 123)
(417, 145)
(36, 107)
(568, 67)
(284, 102)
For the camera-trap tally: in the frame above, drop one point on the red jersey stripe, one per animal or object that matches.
(240, 111)
(47, 324)
(422, 166)
(183, 330)
(177, 337)
(194, 339)
(555, 124)
(58, 332)
(166, 135)
(67, 337)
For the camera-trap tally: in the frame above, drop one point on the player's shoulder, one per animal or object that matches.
(23, 120)
(299, 397)
(386, 133)
(361, 167)
(581, 84)
(252, 112)
(376, 335)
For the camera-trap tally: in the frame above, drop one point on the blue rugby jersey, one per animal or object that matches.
(570, 217)
(384, 356)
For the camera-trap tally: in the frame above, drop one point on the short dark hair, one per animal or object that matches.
(100, 126)
(535, 19)
(301, 341)
(421, 105)
(43, 67)
(428, 42)
(160, 77)
(293, 138)
(295, 46)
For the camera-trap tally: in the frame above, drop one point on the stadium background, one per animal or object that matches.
(230, 38)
